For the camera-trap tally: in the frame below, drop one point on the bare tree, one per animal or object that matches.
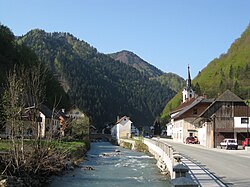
(13, 105)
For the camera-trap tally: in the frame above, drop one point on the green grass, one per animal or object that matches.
(5, 145)
(62, 146)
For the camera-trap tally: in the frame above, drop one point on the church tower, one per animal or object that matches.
(187, 93)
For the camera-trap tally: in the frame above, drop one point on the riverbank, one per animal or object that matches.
(54, 159)
(113, 166)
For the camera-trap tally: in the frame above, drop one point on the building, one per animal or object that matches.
(226, 117)
(122, 128)
(182, 119)
(181, 125)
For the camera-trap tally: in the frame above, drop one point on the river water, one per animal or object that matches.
(113, 167)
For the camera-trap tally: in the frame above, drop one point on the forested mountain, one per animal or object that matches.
(171, 80)
(229, 71)
(135, 61)
(102, 87)
(13, 54)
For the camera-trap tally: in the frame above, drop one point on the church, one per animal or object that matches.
(211, 120)
(183, 116)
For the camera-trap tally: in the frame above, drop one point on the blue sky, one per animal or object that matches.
(169, 34)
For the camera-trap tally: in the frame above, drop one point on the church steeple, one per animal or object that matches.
(188, 93)
(188, 79)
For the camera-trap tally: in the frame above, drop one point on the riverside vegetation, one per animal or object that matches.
(26, 83)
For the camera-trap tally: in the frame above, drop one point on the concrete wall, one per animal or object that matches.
(161, 152)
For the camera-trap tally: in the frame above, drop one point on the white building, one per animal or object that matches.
(122, 128)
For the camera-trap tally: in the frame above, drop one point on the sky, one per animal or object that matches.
(169, 34)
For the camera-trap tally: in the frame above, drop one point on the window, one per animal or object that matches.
(244, 120)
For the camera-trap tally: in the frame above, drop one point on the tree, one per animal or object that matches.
(157, 127)
(13, 106)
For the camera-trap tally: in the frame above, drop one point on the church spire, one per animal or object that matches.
(188, 79)
(188, 93)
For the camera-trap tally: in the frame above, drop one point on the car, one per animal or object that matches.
(246, 142)
(229, 143)
(190, 140)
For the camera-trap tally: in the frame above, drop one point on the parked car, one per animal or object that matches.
(246, 142)
(229, 144)
(190, 140)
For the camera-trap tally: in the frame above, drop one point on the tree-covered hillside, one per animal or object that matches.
(135, 61)
(229, 71)
(102, 87)
(171, 80)
(12, 54)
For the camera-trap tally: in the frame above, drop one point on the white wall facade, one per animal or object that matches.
(202, 135)
(238, 123)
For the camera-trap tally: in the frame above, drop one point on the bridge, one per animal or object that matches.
(99, 136)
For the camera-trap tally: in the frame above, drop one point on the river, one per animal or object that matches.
(113, 166)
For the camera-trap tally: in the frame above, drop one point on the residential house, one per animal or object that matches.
(52, 122)
(76, 115)
(122, 128)
(182, 118)
(46, 124)
(226, 117)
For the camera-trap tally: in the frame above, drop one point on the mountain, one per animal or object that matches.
(99, 85)
(12, 54)
(229, 71)
(135, 61)
(171, 80)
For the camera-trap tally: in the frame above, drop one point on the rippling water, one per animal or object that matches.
(113, 169)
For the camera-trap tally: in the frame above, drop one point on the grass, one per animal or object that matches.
(62, 146)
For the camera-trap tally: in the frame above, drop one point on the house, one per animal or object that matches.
(76, 116)
(52, 122)
(122, 128)
(38, 121)
(226, 117)
(182, 119)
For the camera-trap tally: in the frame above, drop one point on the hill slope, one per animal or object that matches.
(135, 61)
(102, 87)
(171, 80)
(229, 71)
(12, 54)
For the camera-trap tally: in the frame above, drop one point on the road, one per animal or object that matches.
(231, 166)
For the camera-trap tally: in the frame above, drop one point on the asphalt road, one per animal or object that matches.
(231, 166)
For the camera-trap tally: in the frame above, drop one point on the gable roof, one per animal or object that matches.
(188, 107)
(46, 111)
(120, 120)
(229, 96)
(183, 105)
